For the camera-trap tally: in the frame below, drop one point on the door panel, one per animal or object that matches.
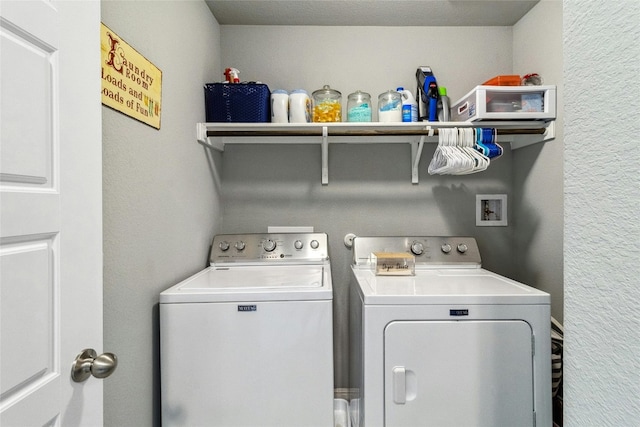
(26, 304)
(50, 219)
(28, 72)
(458, 373)
(30, 374)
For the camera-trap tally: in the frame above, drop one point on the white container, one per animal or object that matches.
(390, 106)
(279, 106)
(409, 105)
(299, 107)
(506, 103)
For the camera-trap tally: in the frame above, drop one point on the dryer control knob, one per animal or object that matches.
(417, 248)
(446, 248)
(462, 248)
(240, 245)
(298, 244)
(224, 245)
(314, 244)
(269, 245)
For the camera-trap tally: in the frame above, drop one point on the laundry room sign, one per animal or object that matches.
(130, 83)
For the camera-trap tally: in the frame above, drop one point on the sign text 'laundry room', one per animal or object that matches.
(130, 83)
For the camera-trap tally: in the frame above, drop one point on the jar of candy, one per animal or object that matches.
(390, 106)
(327, 105)
(359, 107)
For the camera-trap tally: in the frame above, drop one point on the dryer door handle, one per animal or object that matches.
(399, 385)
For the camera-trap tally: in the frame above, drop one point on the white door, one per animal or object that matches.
(458, 373)
(51, 211)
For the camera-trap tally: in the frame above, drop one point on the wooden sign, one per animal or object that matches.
(130, 83)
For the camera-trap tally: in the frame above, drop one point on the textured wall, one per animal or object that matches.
(537, 169)
(161, 195)
(602, 201)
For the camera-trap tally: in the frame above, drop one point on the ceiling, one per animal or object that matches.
(370, 12)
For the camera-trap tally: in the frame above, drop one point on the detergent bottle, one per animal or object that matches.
(444, 105)
(409, 105)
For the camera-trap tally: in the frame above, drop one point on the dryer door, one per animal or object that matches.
(458, 373)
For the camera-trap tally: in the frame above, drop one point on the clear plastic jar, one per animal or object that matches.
(359, 107)
(327, 105)
(390, 106)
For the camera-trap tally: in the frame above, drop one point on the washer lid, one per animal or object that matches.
(445, 286)
(253, 283)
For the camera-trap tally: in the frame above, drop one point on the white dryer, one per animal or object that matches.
(453, 345)
(249, 340)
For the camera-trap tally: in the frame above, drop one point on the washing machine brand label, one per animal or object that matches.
(459, 312)
(252, 307)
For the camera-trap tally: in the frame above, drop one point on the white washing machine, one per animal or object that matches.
(453, 345)
(249, 340)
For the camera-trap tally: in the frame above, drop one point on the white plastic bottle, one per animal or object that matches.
(409, 106)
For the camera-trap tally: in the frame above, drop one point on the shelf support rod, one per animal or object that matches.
(416, 152)
(325, 155)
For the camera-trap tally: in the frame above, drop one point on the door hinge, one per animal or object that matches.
(534, 418)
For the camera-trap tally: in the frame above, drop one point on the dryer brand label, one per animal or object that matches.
(459, 312)
(252, 307)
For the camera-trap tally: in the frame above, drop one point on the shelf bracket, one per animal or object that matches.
(325, 155)
(203, 139)
(550, 132)
(416, 152)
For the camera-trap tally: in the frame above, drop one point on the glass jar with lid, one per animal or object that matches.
(390, 106)
(359, 107)
(327, 105)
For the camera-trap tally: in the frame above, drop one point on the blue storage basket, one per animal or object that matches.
(237, 102)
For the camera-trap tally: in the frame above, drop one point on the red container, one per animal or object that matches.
(507, 80)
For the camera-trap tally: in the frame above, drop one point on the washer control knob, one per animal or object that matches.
(224, 245)
(417, 248)
(446, 248)
(462, 248)
(298, 244)
(240, 245)
(314, 244)
(269, 245)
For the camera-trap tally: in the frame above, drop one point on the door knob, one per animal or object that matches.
(89, 363)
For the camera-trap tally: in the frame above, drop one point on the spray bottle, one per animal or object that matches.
(409, 106)
(232, 75)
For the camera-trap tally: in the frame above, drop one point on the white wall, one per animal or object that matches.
(373, 59)
(538, 169)
(161, 195)
(602, 203)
